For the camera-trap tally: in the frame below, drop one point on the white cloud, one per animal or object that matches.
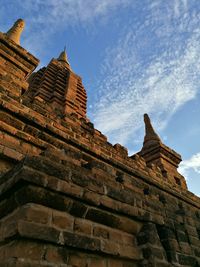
(68, 11)
(45, 18)
(191, 164)
(179, 6)
(156, 76)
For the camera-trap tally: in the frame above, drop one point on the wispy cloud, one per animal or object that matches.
(191, 164)
(153, 69)
(45, 18)
(65, 13)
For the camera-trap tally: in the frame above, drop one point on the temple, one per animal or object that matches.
(69, 198)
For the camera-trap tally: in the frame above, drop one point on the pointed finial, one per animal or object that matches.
(150, 135)
(63, 56)
(15, 31)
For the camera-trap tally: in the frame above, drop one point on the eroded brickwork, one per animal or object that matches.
(68, 197)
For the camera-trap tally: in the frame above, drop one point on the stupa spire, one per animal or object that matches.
(157, 153)
(150, 134)
(63, 56)
(15, 31)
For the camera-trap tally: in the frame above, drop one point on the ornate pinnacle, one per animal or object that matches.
(150, 135)
(15, 31)
(63, 56)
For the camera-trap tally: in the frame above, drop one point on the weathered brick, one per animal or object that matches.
(123, 195)
(80, 241)
(153, 252)
(128, 225)
(56, 255)
(48, 167)
(109, 247)
(36, 213)
(69, 188)
(101, 231)
(114, 263)
(26, 249)
(44, 197)
(82, 226)
(78, 209)
(78, 260)
(97, 262)
(187, 260)
(62, 220)
(102, 217)
(130, 252)
(38, 231)
(13, 154)
(91, 197)
(128, 239)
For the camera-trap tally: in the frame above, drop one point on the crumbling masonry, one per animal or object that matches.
(67, 196)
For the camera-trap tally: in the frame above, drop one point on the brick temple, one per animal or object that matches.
(68, 197)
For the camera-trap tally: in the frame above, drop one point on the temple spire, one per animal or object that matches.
(157, 153)
(59, 88)
(63, 56)
(151, 136)
(15, 31)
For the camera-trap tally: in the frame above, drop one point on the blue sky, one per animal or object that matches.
(135, 57)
